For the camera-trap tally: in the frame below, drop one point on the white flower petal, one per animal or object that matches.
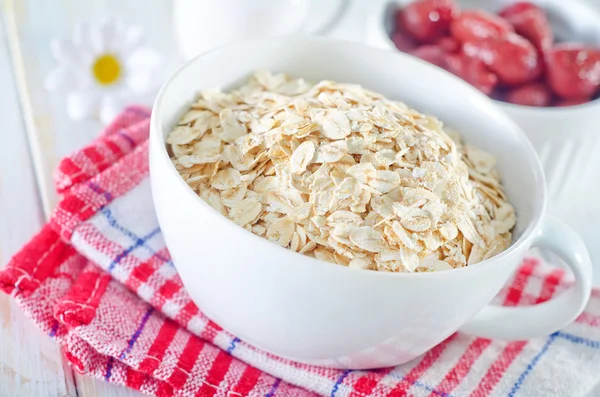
(59, 77)
(81, 35)
(140, 82)
(97, 41)
(81, 105)
(69, 77)
(109, 32)
(133, 37)
(142, 58)
(81, 41)
(64, 51)
(84, 77)
(110, 107)
(119, 29)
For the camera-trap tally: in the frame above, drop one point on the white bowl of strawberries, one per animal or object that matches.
(540, 61)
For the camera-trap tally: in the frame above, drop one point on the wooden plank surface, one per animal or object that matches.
(31, 363)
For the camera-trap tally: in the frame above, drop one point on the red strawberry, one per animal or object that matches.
(427, 20)
(473, 71)
(477, 24)
(449, 44)
(402, 42)
(531, 22)
(432, 54)
(534, 94)
(573, 71)
(512, 58)
(570, 102)
(518, 8)
(455, 64)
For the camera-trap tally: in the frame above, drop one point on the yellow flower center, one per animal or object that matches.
(106, 69)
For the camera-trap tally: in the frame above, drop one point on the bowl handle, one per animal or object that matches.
(513, 323)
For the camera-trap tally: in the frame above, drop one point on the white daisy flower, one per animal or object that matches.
(103, 68)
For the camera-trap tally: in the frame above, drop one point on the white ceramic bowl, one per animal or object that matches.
(325, 314)
(566, 139)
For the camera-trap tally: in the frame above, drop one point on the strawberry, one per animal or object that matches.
(518, 8)
(432, 54)
(534, 94)
(531, 22)
(512, 58)
(477, 24)
(426, 21)
(448, 44)
(570, 102)
(473, 71)
(402, 42)
(573, 71)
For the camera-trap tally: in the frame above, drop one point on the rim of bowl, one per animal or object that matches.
(538, 212)
(541, 110)
(551, 110)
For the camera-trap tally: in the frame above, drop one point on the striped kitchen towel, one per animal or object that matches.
(99, 280)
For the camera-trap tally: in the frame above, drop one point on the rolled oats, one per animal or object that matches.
(342, 174)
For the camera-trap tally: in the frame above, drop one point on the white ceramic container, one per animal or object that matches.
(566, 139)
(325, 314)
(200, 25)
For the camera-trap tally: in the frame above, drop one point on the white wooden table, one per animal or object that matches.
(35, 134)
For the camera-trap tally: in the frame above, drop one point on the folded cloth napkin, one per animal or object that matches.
(99, 280)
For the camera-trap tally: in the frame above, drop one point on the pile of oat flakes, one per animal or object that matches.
(340, 173)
